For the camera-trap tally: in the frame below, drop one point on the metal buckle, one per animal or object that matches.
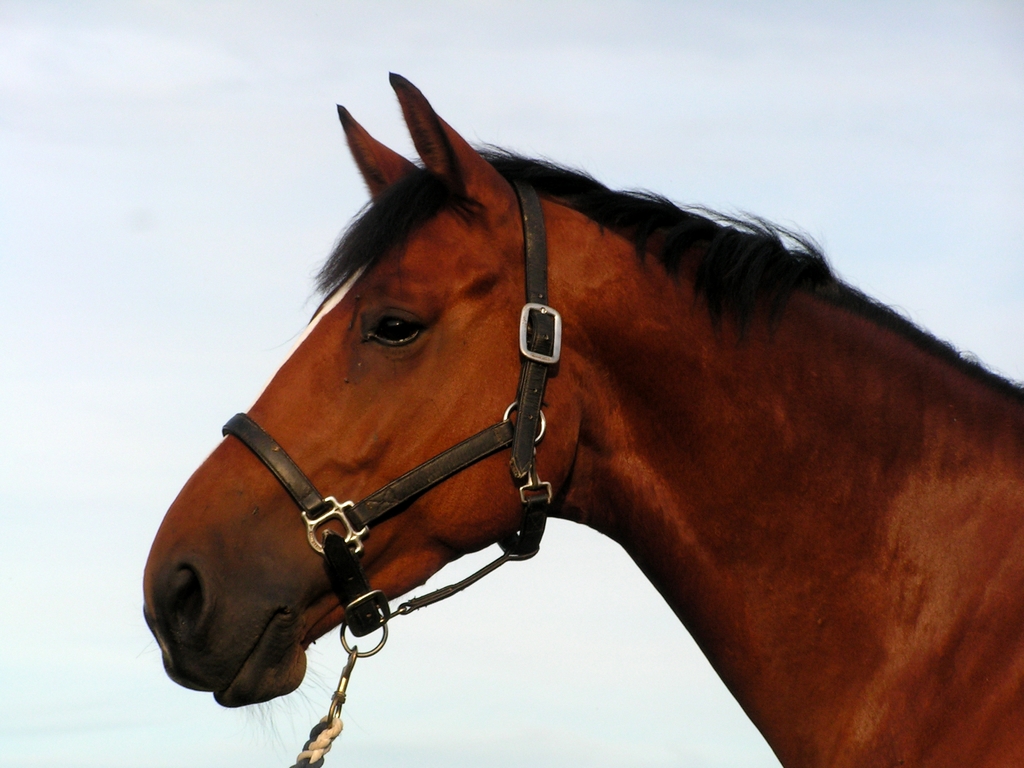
(556, 349)
(363, 619)
(353, 538)
(544, 487)
(534, 485)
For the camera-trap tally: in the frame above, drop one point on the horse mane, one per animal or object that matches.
(745, 260)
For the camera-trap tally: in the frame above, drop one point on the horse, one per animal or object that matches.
(830, 499)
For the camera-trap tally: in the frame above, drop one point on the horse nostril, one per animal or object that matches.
(186, 602)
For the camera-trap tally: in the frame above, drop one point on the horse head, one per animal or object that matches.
(414, 349)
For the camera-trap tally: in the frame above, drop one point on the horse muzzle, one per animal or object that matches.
(250, 656)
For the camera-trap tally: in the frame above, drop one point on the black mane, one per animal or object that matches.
(744, 260)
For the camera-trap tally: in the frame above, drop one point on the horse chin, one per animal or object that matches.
(268, 672)
(254, 685)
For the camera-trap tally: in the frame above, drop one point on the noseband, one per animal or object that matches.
(540, 341)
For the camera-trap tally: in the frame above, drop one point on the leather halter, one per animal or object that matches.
(540, 335)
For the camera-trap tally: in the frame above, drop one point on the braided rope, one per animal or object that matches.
(320, 741)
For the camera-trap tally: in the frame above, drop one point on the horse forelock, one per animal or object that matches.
(383, 224)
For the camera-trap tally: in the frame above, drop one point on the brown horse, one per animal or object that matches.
(831, 500)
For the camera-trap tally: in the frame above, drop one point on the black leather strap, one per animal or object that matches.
(540, 334)
(276, 460)
(349, 581)
(530, 397)
(431, 472)
(535, 245)
(525, 542)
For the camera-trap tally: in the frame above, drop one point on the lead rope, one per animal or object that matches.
(319, 744)
(323, 734)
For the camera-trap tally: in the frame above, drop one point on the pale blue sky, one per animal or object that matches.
(172, 174)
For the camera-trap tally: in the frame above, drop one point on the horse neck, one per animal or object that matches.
(822, 504)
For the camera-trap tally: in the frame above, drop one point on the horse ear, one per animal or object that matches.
(444, 152)
(381, 167)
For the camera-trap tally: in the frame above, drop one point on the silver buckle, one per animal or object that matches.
(556, 349)
(353, 538)
(534, 485)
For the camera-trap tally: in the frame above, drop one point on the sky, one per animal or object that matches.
(171, 176)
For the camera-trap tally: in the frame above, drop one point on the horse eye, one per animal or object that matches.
(395, 331)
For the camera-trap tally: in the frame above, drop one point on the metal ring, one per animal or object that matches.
(355, 648)
(543, 422)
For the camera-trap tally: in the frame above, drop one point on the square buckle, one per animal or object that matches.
(368, 612)
(556, 348)
(534, 491)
